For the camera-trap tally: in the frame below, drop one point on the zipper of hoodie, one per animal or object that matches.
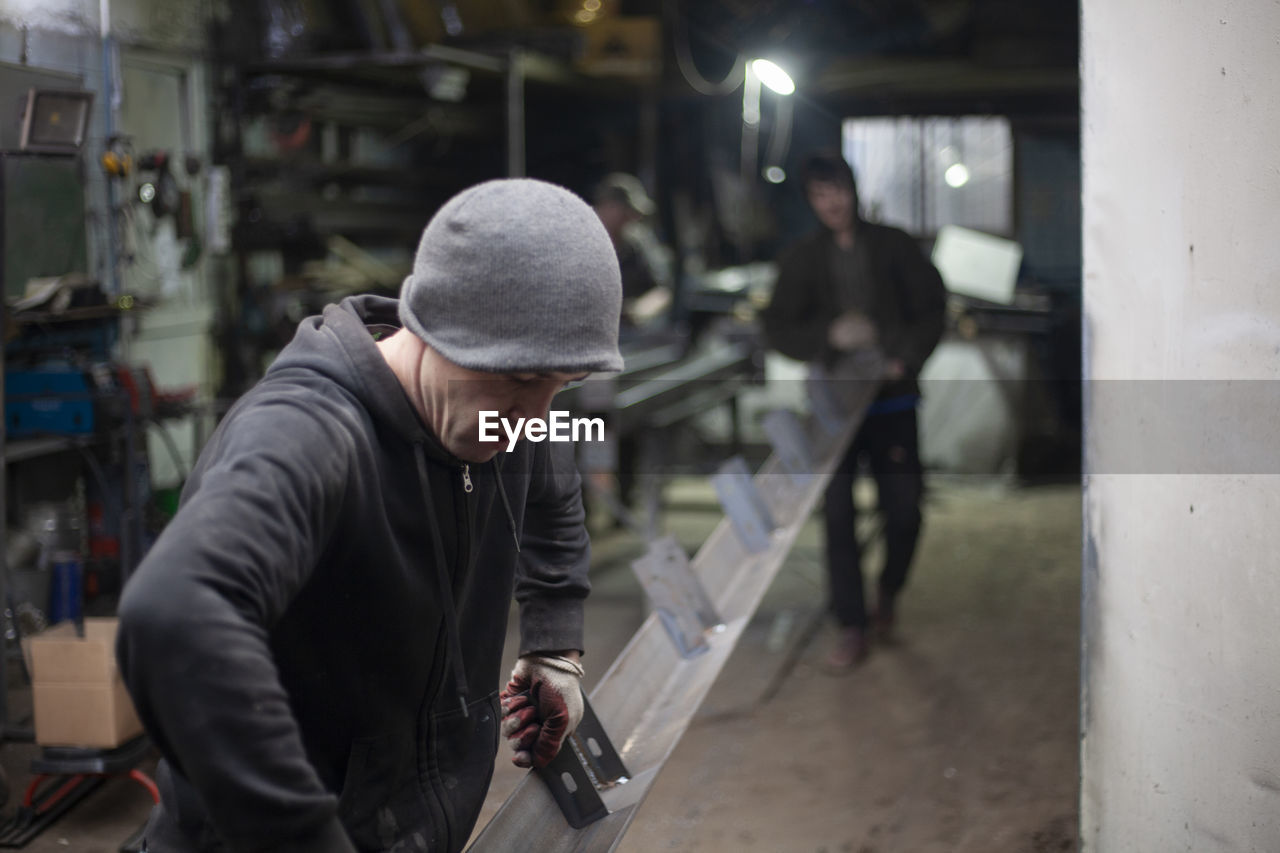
(437, 680)
(441, 664)
(461, 565)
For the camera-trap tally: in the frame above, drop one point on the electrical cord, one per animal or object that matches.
(689, 69)
(171, 446)
(100, 477)
(780, 137)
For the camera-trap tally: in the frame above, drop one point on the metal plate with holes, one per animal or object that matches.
(744, 505)
(587, 765)
(788, 440)
(677, 595)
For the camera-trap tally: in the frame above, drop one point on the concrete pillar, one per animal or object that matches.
(1181, 184)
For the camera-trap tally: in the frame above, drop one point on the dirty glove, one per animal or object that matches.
(541, 706)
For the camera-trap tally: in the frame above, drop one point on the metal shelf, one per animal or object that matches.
(32, 448)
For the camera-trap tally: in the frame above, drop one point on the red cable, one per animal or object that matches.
(145, 781)
(66, 788)
(31, 790)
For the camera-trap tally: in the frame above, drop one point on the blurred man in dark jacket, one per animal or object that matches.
(314, 642)
(851, 286)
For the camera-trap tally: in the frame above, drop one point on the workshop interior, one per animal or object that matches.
(1078, 661)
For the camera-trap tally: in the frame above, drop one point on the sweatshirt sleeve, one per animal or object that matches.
(924, 304)
(555, 554)
(795, 322)
(195, 618)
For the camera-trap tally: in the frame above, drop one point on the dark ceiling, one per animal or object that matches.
(940, 56)
(854, 56)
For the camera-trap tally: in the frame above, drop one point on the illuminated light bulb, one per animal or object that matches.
(957, 175)
(772, 75)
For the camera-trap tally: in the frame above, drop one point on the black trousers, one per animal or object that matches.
(890, 444)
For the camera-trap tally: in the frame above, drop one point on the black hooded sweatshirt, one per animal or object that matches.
(314, 642)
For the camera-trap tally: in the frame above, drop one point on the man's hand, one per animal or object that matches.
(851, 331)
(541, 706)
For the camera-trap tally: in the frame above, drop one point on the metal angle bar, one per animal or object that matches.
(704, 368)
(790, 444)
(649, 694)
(700, 401)
(824, 404)
(744, 504)
(683, 606)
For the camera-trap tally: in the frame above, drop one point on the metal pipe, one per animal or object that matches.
(108, 131)
(515, 115)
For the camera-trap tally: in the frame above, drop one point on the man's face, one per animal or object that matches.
(832, 203)
(456, 396)
(615, 216)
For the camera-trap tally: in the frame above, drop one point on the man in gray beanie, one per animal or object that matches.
(314, 643)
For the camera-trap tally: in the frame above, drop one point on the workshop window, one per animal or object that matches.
(920, 173)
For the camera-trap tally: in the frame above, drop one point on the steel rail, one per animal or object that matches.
(648, 696)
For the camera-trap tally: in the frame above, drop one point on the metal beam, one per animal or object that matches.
(429, 55)
(648, 696)
(515, 114)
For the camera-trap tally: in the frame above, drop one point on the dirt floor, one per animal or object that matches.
(960, 737)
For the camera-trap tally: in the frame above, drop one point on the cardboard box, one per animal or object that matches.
(80, 699)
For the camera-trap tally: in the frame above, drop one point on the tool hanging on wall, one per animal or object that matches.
(161, 193)
(165, 198)
(116, 164)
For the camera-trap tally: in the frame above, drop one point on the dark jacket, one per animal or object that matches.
(298, 639)
(908, 301)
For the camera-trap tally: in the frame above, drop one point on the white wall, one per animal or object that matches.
(172, 24)
(1181, 706)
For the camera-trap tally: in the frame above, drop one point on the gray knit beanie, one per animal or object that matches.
(516, 275)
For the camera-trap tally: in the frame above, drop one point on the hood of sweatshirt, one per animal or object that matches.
(340, 344)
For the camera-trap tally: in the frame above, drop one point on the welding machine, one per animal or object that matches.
(54, 398)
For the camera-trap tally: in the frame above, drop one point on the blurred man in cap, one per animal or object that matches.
(623, 206)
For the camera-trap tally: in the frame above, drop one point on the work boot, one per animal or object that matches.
(848, 650)
(882, 618)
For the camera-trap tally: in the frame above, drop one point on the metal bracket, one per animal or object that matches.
(744, 505)
(678, 597)
(823, 403)
(787, 437)
(587, 765)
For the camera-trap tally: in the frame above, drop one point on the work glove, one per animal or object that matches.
(541, 706)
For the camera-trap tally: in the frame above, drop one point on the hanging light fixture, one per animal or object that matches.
(774, 76)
